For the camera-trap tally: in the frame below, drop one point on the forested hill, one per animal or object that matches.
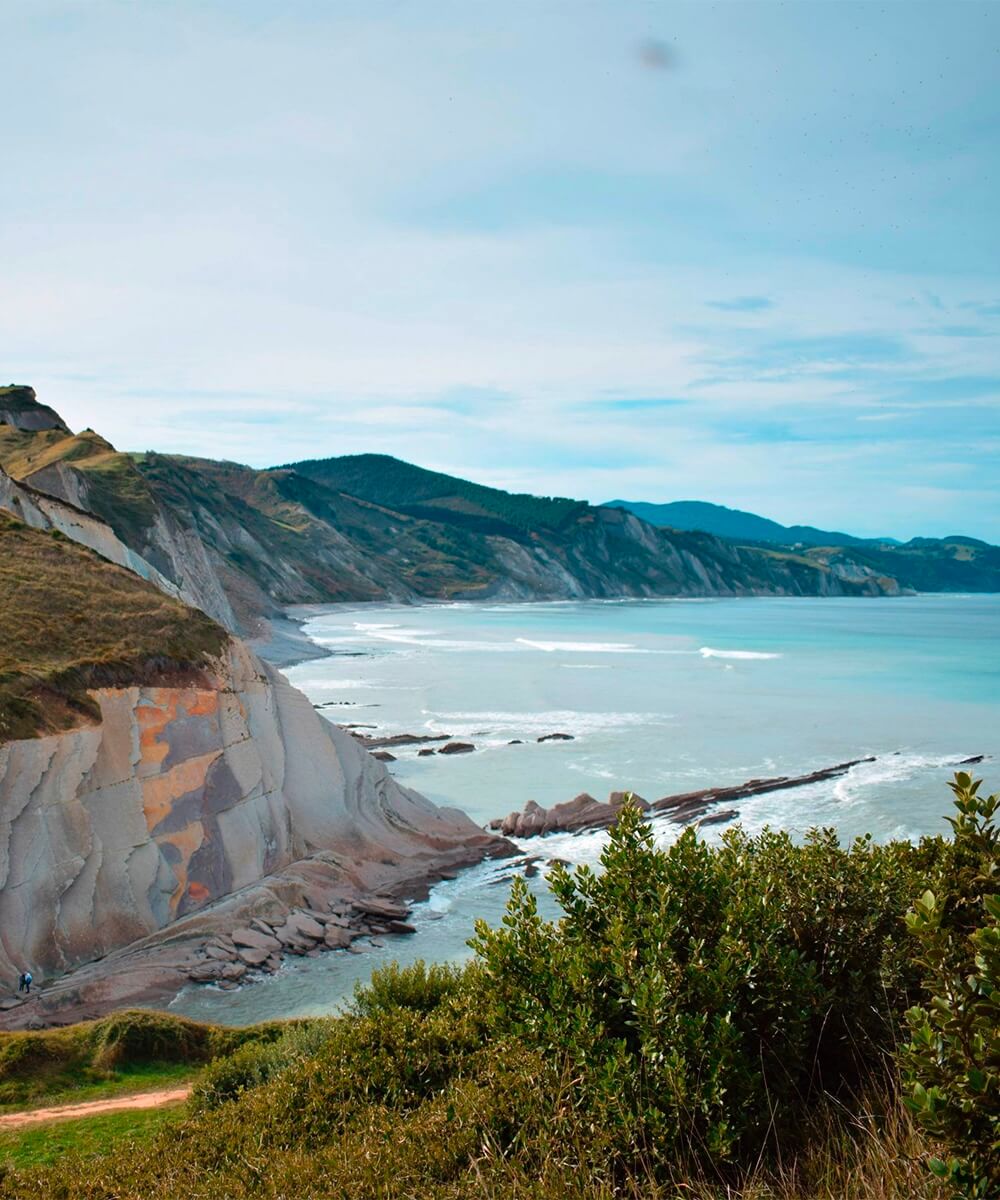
(392, 483)
(734, 523)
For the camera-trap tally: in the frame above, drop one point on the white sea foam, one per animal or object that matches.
(710, 652)
(582, 647)
(533, 723)
(329, 685)
(856, 785)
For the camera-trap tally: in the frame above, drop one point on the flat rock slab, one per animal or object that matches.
(303, 926)
(382, 908)
(224, 953)
(338, 939)
(253, 956)
(254, 939)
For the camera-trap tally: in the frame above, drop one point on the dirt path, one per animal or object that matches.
(67, 1112)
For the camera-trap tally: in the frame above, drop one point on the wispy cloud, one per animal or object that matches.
(742, 304)
(521, 258)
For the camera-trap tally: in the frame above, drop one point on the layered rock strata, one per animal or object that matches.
(584, 812)
(183, 810)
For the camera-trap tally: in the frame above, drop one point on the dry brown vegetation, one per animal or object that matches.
(69, 621)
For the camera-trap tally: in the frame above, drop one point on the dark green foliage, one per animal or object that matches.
(385, 480)
(702, 1021)
(257, 1061)
(420, 987)
(701, 997)
(953, 1059)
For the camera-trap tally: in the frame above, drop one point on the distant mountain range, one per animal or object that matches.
(241, 543)
(737, 525)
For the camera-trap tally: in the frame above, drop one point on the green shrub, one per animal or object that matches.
(953, 1059)
(256, 1062)
(419, 986)
(702, 997)
(137, 1036)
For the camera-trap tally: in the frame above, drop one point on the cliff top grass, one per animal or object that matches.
(115, 488)
(128, 1051)
(71, 621)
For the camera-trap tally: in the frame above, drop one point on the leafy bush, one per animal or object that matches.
(419, 986)
(953, 1059)
(702, 997)
(255, 1062)
(138, 1036)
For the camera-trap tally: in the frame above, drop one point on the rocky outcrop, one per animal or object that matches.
(41, 511)
(20, 408)
(185, 805)
(583, 812)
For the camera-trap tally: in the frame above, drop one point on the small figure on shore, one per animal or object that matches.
(24, 982)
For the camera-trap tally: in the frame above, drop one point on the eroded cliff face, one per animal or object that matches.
(181, 796)
(41, 511)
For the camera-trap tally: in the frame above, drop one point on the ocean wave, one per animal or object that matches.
(582, 647)
(578, 724)
(329, 685)
(888, 769)
(710, 652)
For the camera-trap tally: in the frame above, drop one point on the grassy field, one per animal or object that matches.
(110, 1133)
(73, 621)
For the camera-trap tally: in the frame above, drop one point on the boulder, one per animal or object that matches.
(426, 753)
(254, 939)
(383, 756)
(203, 973)
(387, 909)
(457, 748)
(401, 927)
(337, 939)
(557, 737)
(303, 926)
(236, 970)
(219, 951)
(253, 956)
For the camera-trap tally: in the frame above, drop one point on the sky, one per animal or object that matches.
(740, 252)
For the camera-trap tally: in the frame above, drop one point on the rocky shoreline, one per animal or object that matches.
(327, 903)
(585, 813)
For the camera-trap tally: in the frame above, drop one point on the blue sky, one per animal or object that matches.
(742, 252)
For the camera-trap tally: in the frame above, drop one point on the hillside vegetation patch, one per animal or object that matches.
(72, 621)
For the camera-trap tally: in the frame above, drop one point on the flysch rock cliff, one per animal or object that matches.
(128, 844)
(232, 789)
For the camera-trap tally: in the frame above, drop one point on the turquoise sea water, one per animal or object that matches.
(660, 697)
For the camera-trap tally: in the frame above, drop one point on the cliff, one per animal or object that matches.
(159, 785)
(181, 796)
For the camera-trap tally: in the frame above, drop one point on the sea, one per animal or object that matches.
(658, 697)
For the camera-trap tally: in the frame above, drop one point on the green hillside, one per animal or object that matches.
(732, 523)
(389, 481)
